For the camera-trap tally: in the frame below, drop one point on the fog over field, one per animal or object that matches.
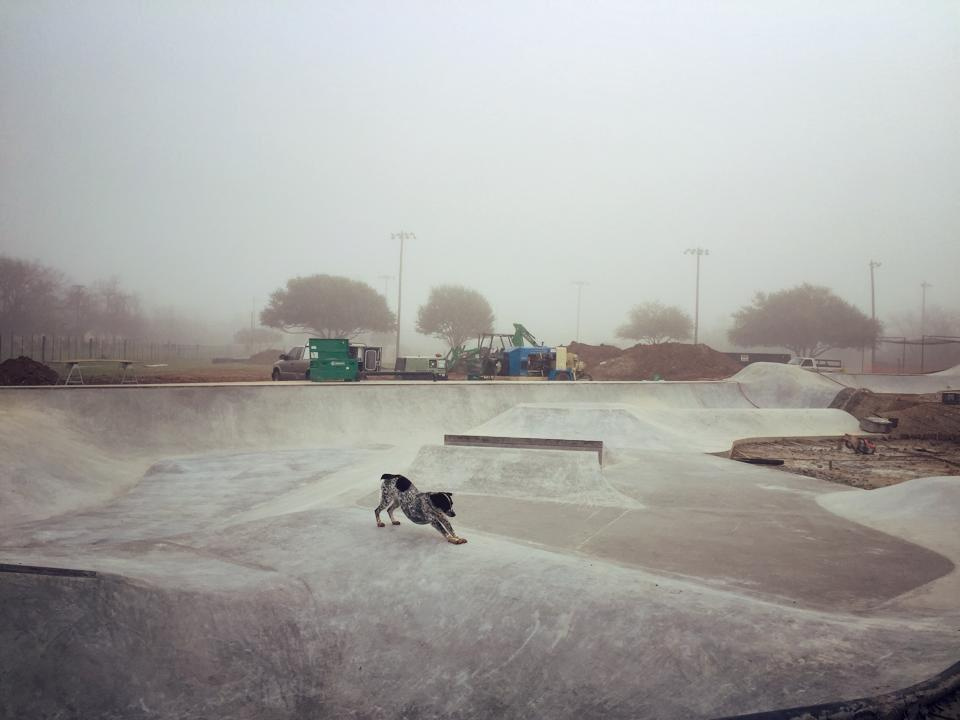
(205, 153)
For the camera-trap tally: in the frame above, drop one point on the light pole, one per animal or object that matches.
(386, 284)
(579, 284)
(402, 235)
(698, 251)
(873, 314)
(923, 321)
(78, 291)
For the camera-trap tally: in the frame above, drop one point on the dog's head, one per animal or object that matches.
(443, 501)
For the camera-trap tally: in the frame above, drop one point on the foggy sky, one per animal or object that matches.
(207, 152)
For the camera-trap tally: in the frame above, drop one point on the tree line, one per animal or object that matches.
(807, 319)
(34, 298)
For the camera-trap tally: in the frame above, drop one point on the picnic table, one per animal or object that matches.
(126, 369)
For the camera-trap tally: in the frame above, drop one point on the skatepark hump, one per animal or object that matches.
(234, 569)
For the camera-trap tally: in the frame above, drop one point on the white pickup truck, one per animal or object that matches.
(817, 364)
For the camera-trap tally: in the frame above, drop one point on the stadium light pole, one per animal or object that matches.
(579, 284)
(923, 307)
(698, 251)
(402, 235)
(873, 314)
(386, 284)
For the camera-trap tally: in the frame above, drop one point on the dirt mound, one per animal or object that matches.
(266, 357)
(916, 415)
(666, 361)
(25, 371)
(593, 355)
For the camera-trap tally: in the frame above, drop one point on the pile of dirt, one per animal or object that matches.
(266, 357)
(666, 361)
(25, 371)
(916, 415)
(593, 355)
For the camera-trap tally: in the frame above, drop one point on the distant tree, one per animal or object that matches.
(655, 323)
(170, 324)
(327, 306)
(30, 297)
(807, 320)
(454, 314)
(115, 311)
(937, 321)
(256, 336)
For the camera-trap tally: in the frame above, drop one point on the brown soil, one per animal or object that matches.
(667, 361)
(894, 461)
(593, 355)
(918, 416)
(24, 371)
(926, 442)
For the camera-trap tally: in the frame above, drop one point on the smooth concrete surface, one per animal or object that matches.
(948, 379)
(240, 573)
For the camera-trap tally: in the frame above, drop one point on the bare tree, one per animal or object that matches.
(116, 311)
(30, 296)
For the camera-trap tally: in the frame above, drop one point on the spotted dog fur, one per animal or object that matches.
(396, 491)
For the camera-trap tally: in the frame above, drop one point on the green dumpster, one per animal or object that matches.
(330, 360)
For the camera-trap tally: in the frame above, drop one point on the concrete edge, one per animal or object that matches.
(780, 438)
(911, 702)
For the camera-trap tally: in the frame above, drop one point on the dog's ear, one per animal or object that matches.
(441, 501)
(402, 483)
(386, 476)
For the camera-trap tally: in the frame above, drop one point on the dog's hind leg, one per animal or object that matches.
(390, 508)
(384, 502)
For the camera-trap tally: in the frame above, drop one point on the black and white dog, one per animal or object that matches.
(396, 491)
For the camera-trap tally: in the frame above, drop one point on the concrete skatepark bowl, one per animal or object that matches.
(235, 570)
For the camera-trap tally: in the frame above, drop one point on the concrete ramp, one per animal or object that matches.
(546, 475)
(622, 425)
(902, 384)
(775, 385)
(235, 568)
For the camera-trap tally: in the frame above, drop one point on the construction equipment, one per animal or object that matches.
(421, 367)
(514, 355)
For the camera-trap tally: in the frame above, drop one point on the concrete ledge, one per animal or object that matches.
(42, 570)
(923, 700)
(527, 443)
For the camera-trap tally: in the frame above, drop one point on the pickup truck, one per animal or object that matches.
(817, 364)
(295, 364)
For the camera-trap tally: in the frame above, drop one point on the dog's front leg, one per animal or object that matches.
(393, 506)
(444, 527)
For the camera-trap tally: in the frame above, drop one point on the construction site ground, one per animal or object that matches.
(925, 442)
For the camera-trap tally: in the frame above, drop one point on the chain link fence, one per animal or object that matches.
(64, 348)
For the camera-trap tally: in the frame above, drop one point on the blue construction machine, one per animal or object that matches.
(516, 355)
